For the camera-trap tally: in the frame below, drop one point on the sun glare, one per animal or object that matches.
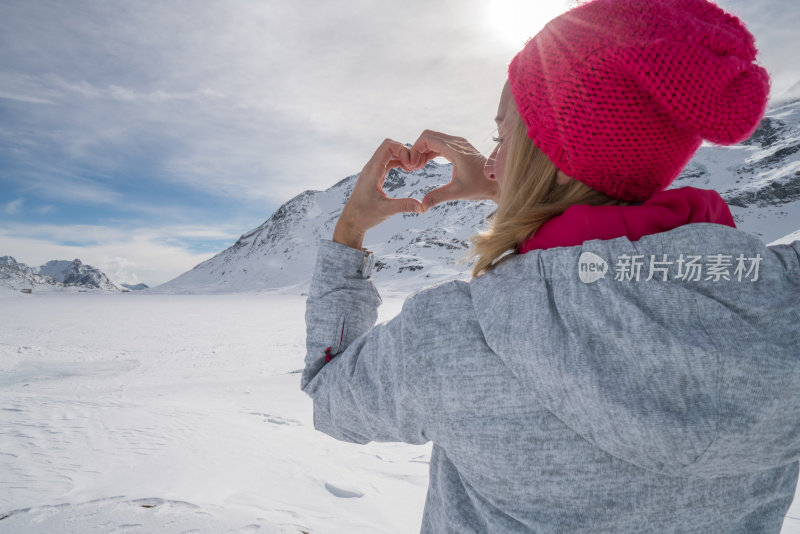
(515, 21)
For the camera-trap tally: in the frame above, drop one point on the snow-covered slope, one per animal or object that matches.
(54, 275)
(759, 178)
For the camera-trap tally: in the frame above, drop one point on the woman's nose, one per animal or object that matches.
(488, 167)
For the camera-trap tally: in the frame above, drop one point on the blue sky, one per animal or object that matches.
(144, 136)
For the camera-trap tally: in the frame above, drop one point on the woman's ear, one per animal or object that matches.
(562, 179)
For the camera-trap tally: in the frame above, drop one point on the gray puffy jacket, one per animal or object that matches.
(616, 386)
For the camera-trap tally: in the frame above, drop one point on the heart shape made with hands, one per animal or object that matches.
(467, 181)
(369, 205)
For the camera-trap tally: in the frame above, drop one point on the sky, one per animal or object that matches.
(143, 137)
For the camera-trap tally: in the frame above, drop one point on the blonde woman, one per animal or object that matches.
(623, 359)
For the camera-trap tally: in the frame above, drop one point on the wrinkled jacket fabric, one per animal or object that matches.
(561, 398)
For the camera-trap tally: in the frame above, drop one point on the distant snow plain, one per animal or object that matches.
(168, 414)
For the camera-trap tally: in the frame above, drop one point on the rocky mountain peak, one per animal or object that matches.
(54, 274)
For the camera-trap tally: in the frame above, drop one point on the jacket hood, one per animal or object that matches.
(679, 352)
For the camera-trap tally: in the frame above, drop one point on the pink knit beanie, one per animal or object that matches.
(620, 93)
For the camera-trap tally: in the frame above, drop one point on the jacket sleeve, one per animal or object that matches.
(360, 395)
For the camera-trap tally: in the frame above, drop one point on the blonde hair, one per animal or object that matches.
(529, 197)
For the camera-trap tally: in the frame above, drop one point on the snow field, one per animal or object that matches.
(171, 414)
(156, 413)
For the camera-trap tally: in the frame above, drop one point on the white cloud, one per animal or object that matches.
(24, 98)
(264, 100)
(251, 100)
(13, 207)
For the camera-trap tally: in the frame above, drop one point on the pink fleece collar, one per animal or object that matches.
(663, 211)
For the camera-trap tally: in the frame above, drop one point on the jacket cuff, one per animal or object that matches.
(335, 260)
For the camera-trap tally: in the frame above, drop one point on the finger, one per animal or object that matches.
(402, 205)
(400, 157)
(405, 159)
(428, 145)
(388, 151)
(420, 159)
(417, 159)
(448, 146)
(441, 194)
(400, 164)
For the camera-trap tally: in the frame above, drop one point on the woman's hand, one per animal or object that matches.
(368, 205)
(468, 182)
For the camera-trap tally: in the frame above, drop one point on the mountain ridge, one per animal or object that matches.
(54, 275)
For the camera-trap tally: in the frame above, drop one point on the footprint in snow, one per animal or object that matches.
(276, 419)
(342, 493)
(128, 527)
(153, 502)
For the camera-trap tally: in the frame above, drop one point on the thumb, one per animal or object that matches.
(404, 205)
(439, 195)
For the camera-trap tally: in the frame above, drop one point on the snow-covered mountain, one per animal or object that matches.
(135, 287)
(759, 178)
(56, 274)
(76, 273)
(18, 276)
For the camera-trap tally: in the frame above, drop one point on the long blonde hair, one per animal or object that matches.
(529, 197)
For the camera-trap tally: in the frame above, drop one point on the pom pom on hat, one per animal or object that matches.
(620, 93)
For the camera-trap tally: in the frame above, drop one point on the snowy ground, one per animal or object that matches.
(170, 414)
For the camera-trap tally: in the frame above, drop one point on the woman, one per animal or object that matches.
(624, 359)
